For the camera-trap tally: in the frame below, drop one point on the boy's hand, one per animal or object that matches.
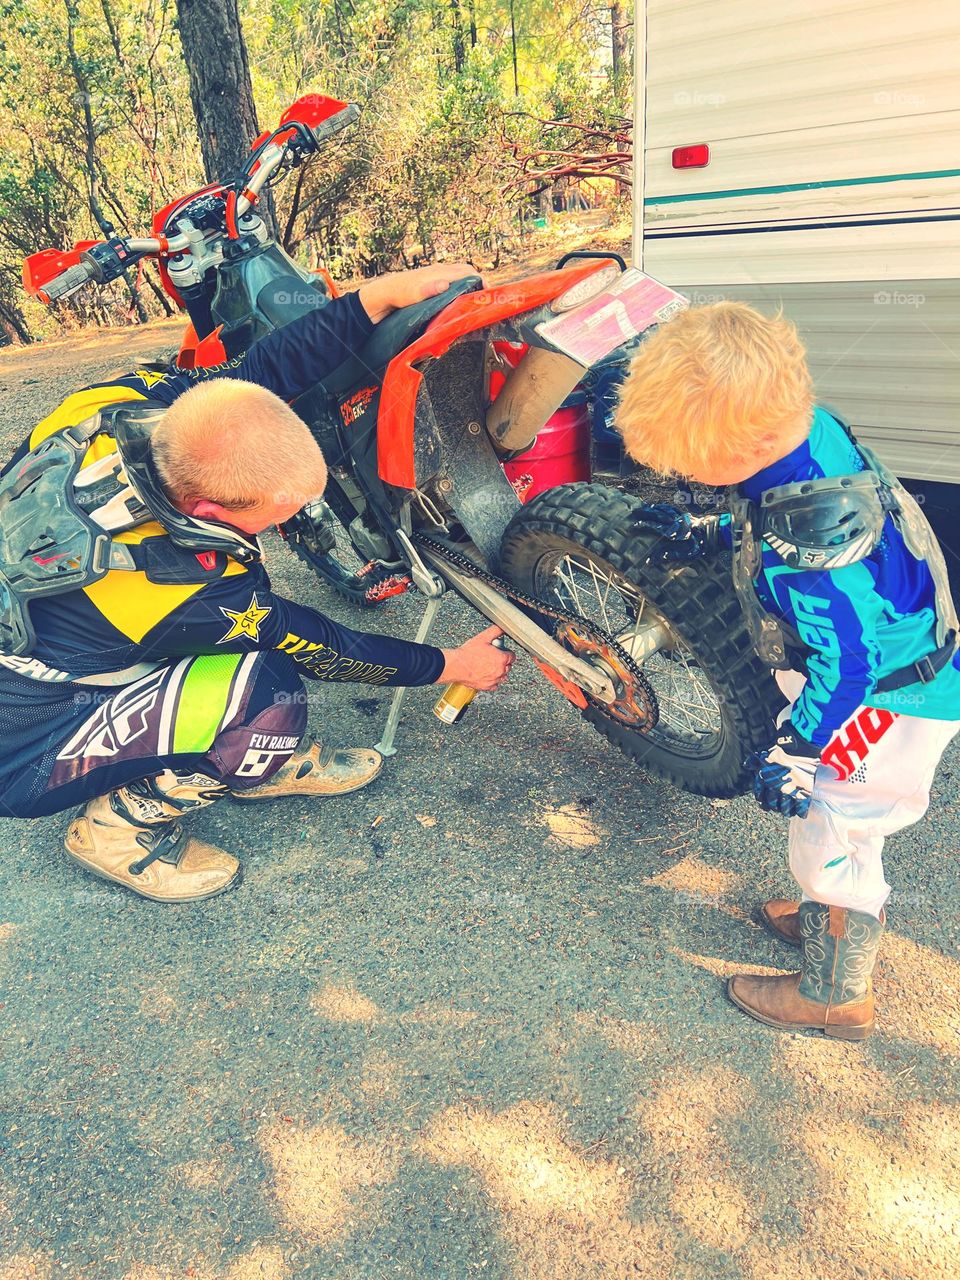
(785, 774)
(404, 288)
(681, 536)
(479, 663)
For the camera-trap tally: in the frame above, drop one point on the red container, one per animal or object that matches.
(561, 451)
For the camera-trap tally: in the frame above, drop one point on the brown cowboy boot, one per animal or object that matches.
(781, 917)
(833, 992)
(130, 836)
(318, 771)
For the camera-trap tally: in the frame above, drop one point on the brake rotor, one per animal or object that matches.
(636, 703)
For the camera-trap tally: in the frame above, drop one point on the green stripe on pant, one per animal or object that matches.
(203, 701)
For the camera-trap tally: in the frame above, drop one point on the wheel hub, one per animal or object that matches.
(636, 703)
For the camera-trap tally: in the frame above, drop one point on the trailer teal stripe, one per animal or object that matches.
(803, 186)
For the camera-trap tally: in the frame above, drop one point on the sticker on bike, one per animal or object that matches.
(629, 306)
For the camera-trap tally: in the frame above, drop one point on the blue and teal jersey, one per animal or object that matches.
(861, 622)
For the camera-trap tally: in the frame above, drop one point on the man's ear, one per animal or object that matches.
(204, 509)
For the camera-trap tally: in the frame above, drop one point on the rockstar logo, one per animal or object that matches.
(150, 378)
(246, 622)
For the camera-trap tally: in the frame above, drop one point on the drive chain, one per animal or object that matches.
(597, 637)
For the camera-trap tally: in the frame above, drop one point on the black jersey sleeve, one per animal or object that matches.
(242, 614)
(291, 360)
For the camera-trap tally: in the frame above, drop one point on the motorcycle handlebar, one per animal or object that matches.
(327, 128)
(269, 160)
(66, 282)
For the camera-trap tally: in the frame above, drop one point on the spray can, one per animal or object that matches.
(455, 698)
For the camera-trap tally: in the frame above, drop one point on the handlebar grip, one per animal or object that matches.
(327, 128)
(67, 282)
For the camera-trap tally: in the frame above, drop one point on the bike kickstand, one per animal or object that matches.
(385, 745)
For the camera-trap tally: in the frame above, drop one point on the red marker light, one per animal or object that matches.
(691, 157)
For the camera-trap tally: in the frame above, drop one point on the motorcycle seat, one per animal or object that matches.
(395, 332)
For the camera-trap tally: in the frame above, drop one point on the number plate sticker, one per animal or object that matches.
(632, 304)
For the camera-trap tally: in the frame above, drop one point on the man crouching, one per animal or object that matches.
(174, 678)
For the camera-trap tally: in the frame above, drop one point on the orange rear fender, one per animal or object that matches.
(466, 314)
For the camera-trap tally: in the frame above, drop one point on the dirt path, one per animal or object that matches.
(468, 1022)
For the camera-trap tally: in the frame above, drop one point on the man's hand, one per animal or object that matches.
(785, 774)
(403, 288)
(478, 663)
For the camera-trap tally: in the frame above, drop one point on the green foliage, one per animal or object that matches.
(422, 175)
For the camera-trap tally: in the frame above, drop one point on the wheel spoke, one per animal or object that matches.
(690, 713)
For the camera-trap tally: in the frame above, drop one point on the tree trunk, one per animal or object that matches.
(618, 38)
(459, 49)
(220, 87)
(221, 90)
(13, 324)
(90, 153)
(513, 47)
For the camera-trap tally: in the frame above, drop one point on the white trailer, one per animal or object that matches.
(831, 187)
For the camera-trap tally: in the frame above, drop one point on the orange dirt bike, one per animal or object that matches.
(420, 429)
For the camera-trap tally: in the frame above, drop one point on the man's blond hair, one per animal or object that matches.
(238, 445)
(712, 387)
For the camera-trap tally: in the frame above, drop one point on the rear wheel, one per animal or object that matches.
(681, 624)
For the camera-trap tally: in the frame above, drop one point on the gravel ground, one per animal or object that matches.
(467, 1022)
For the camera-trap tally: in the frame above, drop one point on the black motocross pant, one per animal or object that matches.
(234, 717)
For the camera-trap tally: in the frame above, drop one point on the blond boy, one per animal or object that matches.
(847, 576)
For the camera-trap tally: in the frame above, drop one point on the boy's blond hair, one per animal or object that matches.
(712, 387)
(238, 445)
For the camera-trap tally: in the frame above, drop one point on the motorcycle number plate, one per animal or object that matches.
(619, 313)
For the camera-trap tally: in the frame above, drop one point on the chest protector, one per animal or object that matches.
(827, 524)
(57, 520)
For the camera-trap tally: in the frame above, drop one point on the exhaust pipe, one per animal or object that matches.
(532, 394)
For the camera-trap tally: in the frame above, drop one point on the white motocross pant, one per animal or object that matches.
(874, 778)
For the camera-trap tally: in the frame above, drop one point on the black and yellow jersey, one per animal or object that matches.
(173, 601)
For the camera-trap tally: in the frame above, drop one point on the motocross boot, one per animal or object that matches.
(833, 991)
(131, 836)
(318, 771)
